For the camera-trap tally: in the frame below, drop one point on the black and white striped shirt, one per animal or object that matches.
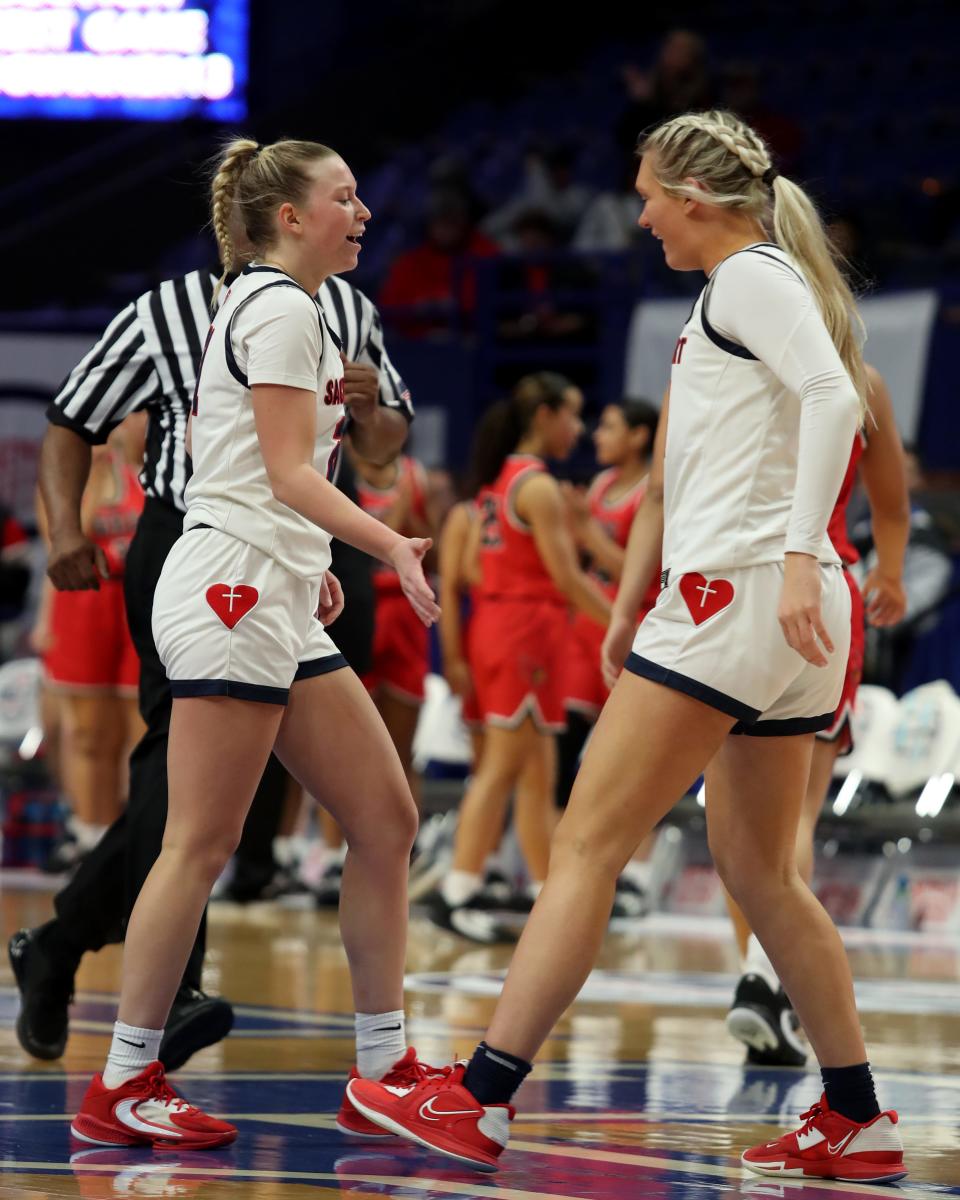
(148, 358)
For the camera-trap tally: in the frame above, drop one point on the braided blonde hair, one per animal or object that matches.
(249, 184)
(733, 164)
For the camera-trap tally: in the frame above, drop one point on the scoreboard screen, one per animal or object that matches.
(141, 60)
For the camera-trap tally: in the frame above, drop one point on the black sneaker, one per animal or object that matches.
(46, 989)
(474, 924)
(629, 900)
(196, 1020)
(765, 1022)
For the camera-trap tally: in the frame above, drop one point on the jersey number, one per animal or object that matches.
(678, 351)
(490, 537)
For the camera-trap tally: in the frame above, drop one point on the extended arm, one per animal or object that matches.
(885, 479)
(540, 503)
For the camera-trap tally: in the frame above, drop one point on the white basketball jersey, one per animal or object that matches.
(267, 330)
(733, 433)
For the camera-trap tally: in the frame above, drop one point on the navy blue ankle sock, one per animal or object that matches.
(493, 1075)
(850, 1091)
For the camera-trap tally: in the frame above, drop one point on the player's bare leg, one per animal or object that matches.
(400, 716)
(533, 806)
(333, 741)
(625, 786)
(756, 789)
(217, 751)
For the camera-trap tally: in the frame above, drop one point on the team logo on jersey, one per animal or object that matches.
(334, 393)
(705, 598)
(232, 602)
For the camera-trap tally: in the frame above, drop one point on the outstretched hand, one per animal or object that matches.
(407, 561)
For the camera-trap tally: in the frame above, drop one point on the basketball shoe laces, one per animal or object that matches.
(155, 1086)
(417, 1071)
(810, 1117)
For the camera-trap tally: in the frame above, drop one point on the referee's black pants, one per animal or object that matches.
(93, 908)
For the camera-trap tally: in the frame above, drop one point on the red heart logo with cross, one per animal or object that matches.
(231, 602)
(704, 600)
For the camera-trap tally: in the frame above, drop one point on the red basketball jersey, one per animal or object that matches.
(378, 501)
(114, 523)
(510, 564)
(837, 528)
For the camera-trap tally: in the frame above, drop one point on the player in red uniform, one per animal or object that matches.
(761, 1015)
(459, 570)
(90, 664)
(601, 521)
(397, 494)
(529, 576)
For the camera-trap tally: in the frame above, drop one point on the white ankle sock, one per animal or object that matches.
(381, 1041)
(459, 886)
(757, 963)
(131, 1050)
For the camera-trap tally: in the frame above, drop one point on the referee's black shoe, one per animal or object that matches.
(46, 989)
(196, 1020)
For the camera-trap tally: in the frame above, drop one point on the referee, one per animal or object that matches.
(147, 359)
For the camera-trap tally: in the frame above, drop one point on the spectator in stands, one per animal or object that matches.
(611, 220)
(436, 281)
(551, 188)
(680, 81)
(539, 272)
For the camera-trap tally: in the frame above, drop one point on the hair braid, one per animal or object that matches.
(236, 155)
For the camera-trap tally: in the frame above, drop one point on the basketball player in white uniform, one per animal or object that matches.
(239, 620)
(733, 671)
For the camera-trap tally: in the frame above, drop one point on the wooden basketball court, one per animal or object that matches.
(641, 1093)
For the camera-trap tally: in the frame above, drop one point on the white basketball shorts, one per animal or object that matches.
(228, 620)
(716, 637)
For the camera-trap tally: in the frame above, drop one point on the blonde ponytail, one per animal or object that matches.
(249, 184)
(234, 158)
(798, 229)
(732, 163)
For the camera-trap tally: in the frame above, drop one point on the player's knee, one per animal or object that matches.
(390, 837)
(91, 741)
(597, 854)
(204, 856)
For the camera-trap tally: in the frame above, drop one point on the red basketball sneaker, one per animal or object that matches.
(405, 1073)
(438, 1113)
(829, 1146)
(146, 1111)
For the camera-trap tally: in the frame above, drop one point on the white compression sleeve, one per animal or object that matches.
(763, 305)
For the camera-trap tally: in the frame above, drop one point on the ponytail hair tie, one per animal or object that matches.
(769, 175)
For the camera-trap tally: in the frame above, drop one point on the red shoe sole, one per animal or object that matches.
(96, 1133)
(452, 1149)
(376, 1134)
(851, 1172)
